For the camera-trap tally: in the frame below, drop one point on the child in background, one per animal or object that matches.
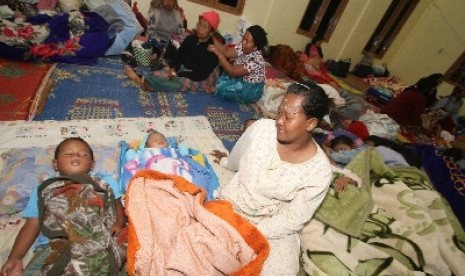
(73, 157)
(356, 127)
(343, 151)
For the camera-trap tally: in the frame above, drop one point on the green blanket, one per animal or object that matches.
(394, 224)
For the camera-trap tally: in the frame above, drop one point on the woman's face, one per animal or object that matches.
(291, 123)
(203, 29)
(248, 45)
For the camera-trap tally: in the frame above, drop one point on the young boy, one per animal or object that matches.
(73, 157)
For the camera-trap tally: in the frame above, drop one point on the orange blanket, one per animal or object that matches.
(171, 228)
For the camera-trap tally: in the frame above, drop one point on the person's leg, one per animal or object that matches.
(229, 88)
(252, 92)
(132, 74)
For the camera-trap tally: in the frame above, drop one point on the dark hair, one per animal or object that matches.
(341, 140)
(258, 35)
(427, 83)
(427, 86)
(408, 152)
(316, 102)
(58, 148)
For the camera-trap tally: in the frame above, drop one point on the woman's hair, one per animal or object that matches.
(58, 148)
(341, 140)
(427, 83)
(259, 36)
(316, 103)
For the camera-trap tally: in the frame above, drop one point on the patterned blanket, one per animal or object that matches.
(26, 152)
(178, 160)
(405, 227)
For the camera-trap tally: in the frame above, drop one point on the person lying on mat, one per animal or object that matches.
(192, 60)
(156, 152)
(59, 220)
(343, 150)
(243, 80)
(282, 174)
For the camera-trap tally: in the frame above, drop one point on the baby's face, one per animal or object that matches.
(156, 140)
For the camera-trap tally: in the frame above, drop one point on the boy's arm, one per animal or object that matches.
(120, 216)
(26, 237)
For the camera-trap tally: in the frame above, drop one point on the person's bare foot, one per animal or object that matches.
(211, 89)
(132, 74)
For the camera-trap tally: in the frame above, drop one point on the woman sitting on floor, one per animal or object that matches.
(244, 80)
(192, 62)
(407, 107)
(282, 174)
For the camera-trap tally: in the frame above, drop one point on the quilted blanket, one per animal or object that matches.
(406, 227)
(172, 231)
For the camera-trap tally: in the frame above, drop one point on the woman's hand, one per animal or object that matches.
(218, 155)
(213, 49)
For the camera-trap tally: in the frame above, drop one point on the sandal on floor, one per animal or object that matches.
(129, 59)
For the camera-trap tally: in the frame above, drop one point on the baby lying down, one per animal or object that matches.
(156, 152)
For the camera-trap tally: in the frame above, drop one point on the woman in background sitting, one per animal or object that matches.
(165, 20)
(407, 107)
(243, 80)
(192, 60)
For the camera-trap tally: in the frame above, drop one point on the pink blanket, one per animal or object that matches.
(171, 230)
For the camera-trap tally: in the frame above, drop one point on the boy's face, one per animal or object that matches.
(341, 146)
(74, 157)
(156, 140)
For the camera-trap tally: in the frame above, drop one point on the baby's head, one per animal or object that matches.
(156, 140)
(341, 142)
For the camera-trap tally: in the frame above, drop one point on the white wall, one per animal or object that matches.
(431, 40)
